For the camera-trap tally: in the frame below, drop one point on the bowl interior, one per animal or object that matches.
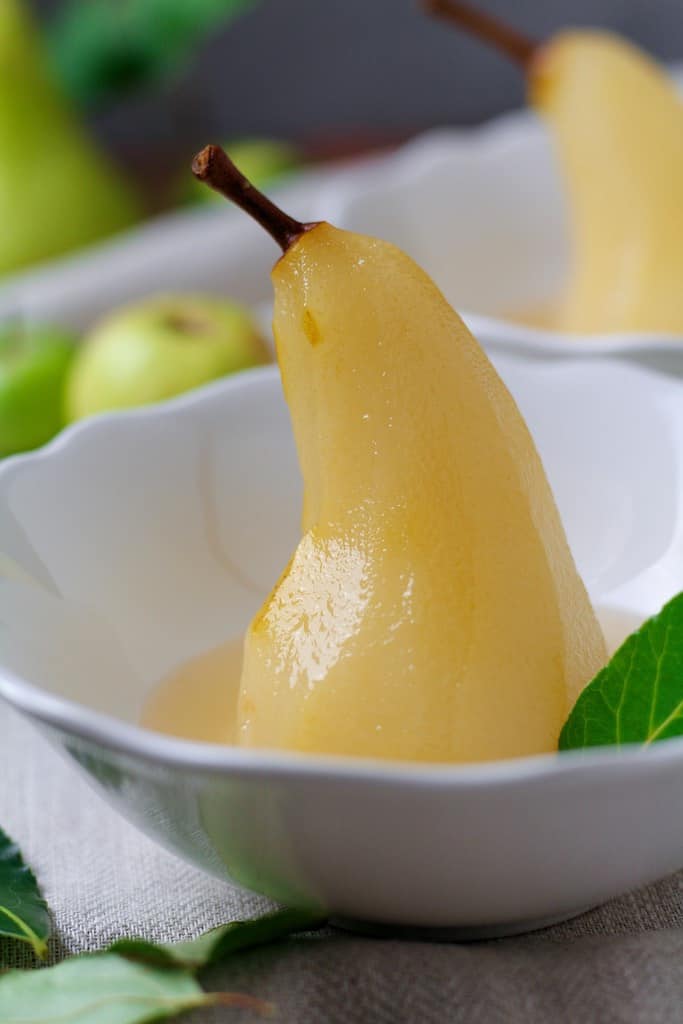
(137, 541)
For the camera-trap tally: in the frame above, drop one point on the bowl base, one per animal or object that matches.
(457, 933)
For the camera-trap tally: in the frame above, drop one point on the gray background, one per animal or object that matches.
(341, 73)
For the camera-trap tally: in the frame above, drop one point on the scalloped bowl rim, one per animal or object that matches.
(133, 740)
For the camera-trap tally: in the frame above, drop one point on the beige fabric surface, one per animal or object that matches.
(620, 963)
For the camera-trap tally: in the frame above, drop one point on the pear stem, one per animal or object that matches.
(214, 167)
(520, 48)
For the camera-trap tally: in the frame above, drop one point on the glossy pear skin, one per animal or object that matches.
(432, 610)
(57, 191)
(617, 121)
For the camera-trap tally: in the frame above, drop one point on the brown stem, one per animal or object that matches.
(215, 168)
(520, 48)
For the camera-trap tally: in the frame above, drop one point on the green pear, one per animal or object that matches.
(57, 191)
(34, 362)
(159, 348)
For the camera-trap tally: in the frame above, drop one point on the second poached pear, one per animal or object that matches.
(617, 121)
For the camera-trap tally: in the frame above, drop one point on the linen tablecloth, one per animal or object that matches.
(618, 964)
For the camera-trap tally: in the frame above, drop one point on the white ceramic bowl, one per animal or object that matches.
(482, 211)
(136, 541)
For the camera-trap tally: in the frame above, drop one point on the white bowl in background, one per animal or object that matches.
(135, 541)
(482, 210)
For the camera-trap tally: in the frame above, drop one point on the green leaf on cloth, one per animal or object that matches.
(638, 696)
(217, 945)
(23, 911)
(103, 988)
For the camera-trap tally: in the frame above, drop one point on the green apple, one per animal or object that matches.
(34, 362)
(161, 347)
(262, 161)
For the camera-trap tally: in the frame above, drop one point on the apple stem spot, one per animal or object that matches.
(519, 47)
(214, 167)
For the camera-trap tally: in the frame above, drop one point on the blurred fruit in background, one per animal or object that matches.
(161, 347)
(34, 363)
(96, 51)
(57, 191)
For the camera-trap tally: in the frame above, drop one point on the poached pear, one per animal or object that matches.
(617, 122)
(432, 610)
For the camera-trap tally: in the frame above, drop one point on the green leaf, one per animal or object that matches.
(23, 911)
(638, 696)
(104, 48)
(103, 988)
(220, 943)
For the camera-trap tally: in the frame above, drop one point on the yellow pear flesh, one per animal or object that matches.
(432, 610)
(618, 125)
